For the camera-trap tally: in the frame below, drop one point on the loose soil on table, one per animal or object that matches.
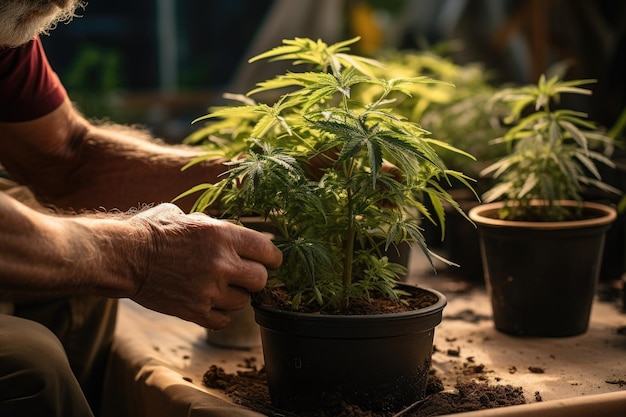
(248, 387)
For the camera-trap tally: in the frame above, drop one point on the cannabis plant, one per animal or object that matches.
(459, 110)
(314, 163)
(553, 153)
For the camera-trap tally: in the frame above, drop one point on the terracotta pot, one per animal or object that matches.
(380, 362)
(542, 276)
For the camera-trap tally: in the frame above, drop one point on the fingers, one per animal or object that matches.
(217, 316)
(254, 254)
(256, 246)
(254, 249)
(250, 275)
(214, 319)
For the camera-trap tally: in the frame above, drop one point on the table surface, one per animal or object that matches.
(154, 353)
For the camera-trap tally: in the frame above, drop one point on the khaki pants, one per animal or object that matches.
(53, 356)
(53, 353)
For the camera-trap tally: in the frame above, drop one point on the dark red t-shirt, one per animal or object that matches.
(29, 88)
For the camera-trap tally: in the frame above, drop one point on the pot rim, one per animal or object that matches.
(432, 309)
(479, 215)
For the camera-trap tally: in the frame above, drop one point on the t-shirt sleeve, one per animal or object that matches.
(29, 88)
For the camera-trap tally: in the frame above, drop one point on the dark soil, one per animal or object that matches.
(277, 297)
(248, 387)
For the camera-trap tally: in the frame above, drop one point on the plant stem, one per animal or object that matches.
(347, 261)
(349, 243)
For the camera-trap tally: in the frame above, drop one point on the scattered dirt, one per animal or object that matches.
(469, 316)
(248, 387)
(470, 396)
(620, 382)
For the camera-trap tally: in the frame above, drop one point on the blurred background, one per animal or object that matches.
(162, 63)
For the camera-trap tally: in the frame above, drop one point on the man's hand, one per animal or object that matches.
(196, 267)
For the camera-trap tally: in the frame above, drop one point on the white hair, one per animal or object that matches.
(21, 20)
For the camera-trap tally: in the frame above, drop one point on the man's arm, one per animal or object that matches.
(188, 265)
(71, 163)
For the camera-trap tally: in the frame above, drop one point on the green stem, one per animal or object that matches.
(347, 262)
(348, 245)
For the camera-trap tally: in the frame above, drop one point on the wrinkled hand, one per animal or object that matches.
(197, 267)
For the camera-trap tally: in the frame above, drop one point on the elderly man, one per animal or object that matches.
(64, 267)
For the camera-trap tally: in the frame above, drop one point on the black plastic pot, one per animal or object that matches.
(542, 276)
(380, 362)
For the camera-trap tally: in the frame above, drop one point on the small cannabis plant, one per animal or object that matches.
(553, 153)
(314, 164)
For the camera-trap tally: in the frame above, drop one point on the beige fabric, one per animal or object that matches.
(610, 404)
(150, 387)
(152, 354)
(24, 195)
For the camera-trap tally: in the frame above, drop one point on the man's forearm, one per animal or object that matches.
(44, 255)
(119, 168)
(72, 164)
